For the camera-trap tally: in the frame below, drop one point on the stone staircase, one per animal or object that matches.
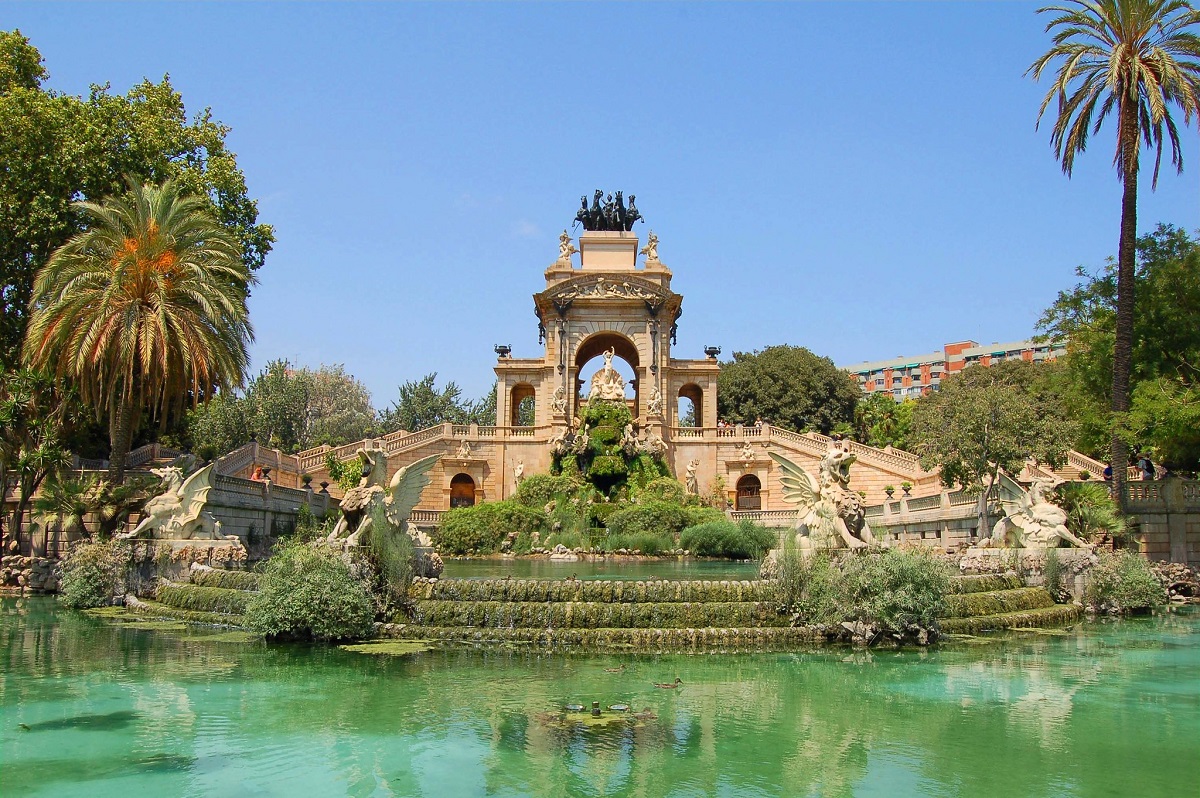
(211, 596)
(988, 603)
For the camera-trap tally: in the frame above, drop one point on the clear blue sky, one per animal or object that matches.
(863, 179)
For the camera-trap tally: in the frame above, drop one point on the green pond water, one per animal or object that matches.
(538, 568)
(89, 708)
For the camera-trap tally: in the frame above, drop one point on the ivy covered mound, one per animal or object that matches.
(602, 497)
(613, 470)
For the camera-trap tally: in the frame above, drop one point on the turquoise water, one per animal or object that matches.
(537, 568)
(1106, 709)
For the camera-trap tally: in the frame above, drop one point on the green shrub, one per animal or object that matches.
(310, 593)
(1092, 514)
(1123, 582)
(659, 518)
(1054, 576)
(664, 489)
(599, 513)
(741, 541)
(694, 515)
(649, 543)
(540, 489)
(482, 528)
(894, 590)
(93, 573)
(391, 552)
(607, 467)
(807, 586)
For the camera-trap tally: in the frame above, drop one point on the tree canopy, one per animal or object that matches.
(1165, 358)
(787, 386)
(286, 408)
(881, 421)
(422, 405)
(58, 148)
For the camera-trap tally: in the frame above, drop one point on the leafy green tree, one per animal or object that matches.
(881, 421)
(1139, 58)
(422, 405)
(338, 410)
(787, 386)
(37, 419)
(146, 308)
(1166, 351)
(57, 148)
(989, 418)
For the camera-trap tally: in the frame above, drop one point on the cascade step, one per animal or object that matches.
(1055, 615)
(995, 602)
(641, 640)
(983, 583)
(561, 590)
(594, 615)
(218, 600)
(217, 577)
(159, 610)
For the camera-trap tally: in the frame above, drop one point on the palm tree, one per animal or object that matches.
(1138, 57)
(144, 309)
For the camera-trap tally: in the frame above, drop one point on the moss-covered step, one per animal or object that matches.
(1055, 615)
(995, 602)
(607, 591)
(203, 599)
(159, 610)
(230, 580)
(981, 583)
(641, 640)
(596, 615)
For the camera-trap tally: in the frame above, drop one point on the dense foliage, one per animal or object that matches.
(880, 421)
(615, 472)
(741, 541)
(59, 148)
(1165, 370)
(1123, 582)
(422, 405)
(787, 386)
(482, 528)
(144, 309)
(310, 593)
(1092, 514)
(93, 573)
(286, 408)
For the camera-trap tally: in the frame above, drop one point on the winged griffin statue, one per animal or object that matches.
(178, 512)
(829, 514)
(1032, 522)
(398, 497)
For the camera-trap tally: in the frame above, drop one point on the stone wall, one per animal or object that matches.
(1165, 519)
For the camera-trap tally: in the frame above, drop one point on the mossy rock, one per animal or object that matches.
(204, 599)
(1056, 615)
(995, 602)
(230, 580)
(390, 648)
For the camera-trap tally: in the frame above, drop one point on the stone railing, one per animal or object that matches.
(766, 517)
(149, 453)
(426, 517)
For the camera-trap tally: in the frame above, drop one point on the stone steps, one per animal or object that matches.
(995, 602)
(1054, 615)
(777, 638)
(597, 615)
(159, 610)
(598, 590)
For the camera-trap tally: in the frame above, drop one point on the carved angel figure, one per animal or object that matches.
(1032, 522)
(178, 512)
(829, 515)
(398, 497)
(651, 248)
(565, 248)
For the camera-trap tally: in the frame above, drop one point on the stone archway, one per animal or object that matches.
(462, 491)
(749, 493)
(523, 405)
(596, 345)
(694, 394)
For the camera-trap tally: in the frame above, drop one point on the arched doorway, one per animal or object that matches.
(462, 491)
(749, 493)
(626, 363)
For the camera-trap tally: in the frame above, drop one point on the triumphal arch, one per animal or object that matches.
(608, 298)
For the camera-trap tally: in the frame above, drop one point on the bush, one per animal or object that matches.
(659, 518)
(310, 593)
(664, 489)
(649, 543)
(741, 541)
(599, 513)
(1123, 582)
(807, 586)
(1091, 513)
(894, 590)
(93, 573)
(697, 514)
(391, 552)
(481, 529)
(540, 489)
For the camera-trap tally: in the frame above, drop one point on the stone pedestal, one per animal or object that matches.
(608, 250)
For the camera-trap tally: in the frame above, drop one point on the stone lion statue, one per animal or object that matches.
(1032, 522)
(397, 497)
(829, 515)
(178, 512)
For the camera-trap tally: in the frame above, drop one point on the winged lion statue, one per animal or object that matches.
(397, 496)
(178, 512)
(829, 514)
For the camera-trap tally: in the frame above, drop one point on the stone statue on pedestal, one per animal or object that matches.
(828, 515)
(607, 384)
(1032, 522)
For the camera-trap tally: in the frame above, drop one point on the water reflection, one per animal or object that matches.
(1034, 715)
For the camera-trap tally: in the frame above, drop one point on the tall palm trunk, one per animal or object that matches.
(1126, 255)
(122, 435)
